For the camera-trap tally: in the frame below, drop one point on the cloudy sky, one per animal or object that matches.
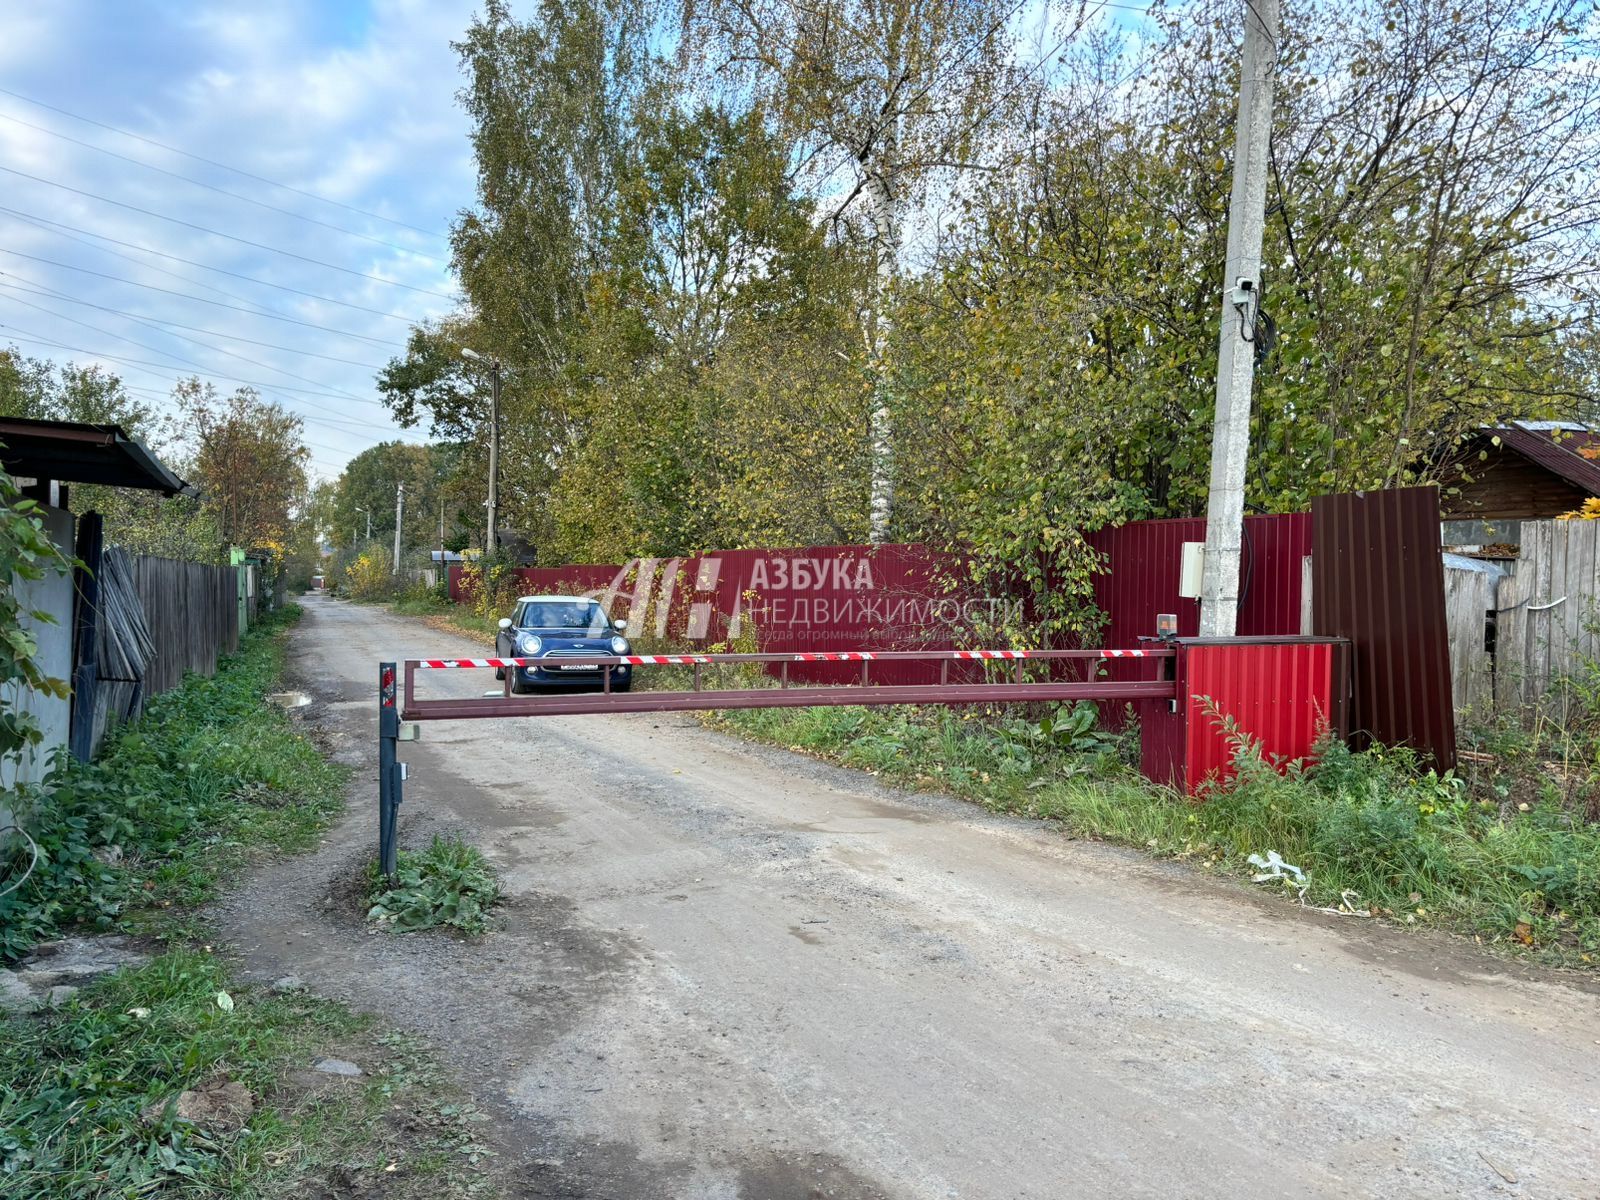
(290, 252)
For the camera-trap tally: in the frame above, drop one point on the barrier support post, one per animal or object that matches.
(390, 771)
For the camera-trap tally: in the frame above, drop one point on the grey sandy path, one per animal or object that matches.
(732, 972)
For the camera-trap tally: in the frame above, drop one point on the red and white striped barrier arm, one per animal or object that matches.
(698, 659)
(437, 664)
(639, 659)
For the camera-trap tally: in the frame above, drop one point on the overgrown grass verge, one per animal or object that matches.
(209, 776)
(450, 883)
(90, 1096)
(449, 618)
(90, 1092)
(1373, 833)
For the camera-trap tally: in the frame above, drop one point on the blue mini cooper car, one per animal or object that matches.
(551, 628)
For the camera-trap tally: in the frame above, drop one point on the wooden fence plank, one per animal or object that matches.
(1545, 615)
(1468, 597)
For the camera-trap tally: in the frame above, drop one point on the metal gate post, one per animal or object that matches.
(390, 772)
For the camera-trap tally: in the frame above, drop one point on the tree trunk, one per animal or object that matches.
(884, 207)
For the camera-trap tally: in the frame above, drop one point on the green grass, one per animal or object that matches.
(210, 778)
(85, 1094)
(1372, 831)
(175, 803)
(449, 883)
(457, 617)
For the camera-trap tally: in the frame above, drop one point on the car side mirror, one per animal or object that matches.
(505, 622)
(619, 624)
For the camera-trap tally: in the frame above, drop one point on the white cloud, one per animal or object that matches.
(350, 100)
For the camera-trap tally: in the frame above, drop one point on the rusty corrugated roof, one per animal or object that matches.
(1554, 445)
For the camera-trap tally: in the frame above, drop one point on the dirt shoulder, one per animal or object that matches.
(729, 971)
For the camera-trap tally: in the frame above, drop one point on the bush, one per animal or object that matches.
(490, 587)
(449, 883)
(369, 577)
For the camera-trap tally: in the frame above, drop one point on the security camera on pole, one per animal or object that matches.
(1241, 302)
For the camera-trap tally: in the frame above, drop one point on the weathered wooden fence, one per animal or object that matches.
(1529, 639)
(192, 612)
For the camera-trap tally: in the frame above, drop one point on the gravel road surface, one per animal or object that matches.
(732, 972)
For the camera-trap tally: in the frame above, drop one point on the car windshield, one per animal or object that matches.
(564, 614)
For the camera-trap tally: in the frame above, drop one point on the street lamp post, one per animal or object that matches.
(368, 511)
(491, 536)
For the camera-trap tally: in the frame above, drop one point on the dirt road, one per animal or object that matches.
(729, 972)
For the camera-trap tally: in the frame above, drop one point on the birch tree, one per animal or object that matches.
(891, 93)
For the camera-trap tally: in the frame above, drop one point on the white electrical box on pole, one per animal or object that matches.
(1241, 302)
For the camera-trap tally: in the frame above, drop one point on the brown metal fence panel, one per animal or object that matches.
(1377, 579)
(1143, 564)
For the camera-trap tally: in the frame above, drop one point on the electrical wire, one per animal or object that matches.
(204, 266)
(50, 262)
(1043, 60)
(34, 846)
(337, 425)
(59, 230)
(148, 212)
(211, 162)
(222, 191)
(37, 289)
(23, 335)
(189, 362)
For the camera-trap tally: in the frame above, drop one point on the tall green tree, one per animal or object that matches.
(249, 462)
(896, 93)
(369, 483)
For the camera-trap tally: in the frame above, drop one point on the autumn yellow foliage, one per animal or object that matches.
(1589, 512)
(368, 578)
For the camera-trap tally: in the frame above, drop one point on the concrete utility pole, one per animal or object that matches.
(1241, 301)
(491, 537)
(399, 518)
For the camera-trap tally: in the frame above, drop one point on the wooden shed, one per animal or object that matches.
(1523, 470)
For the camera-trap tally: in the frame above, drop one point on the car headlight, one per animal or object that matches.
(619, 646)
(528, 643)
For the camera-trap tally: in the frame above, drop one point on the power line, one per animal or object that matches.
(332, 424)
(222, 191)
(193, 342)
(316, 262)
(47, 226)
(211, 162)
(155, 321)
(282, 287)
(26, 336)
(49, 262)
